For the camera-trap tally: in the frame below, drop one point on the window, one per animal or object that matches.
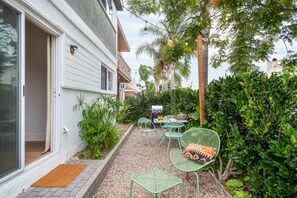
(104, 3)
(103, 78)
(106, 79)
(110, 80)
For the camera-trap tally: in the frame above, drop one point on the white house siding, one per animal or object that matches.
(82, 69)
(73, 75)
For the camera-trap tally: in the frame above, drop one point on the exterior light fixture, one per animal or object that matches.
(73, 48)
(145, 28)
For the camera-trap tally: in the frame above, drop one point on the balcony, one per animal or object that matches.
(124, 71)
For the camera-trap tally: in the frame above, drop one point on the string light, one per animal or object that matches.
(169, 41)
(146, 22)
(145, 28)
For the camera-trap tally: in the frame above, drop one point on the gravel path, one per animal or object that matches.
(136, 157)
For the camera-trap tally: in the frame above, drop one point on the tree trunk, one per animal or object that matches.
(205, 55)
(157, 84)
(165, 84)
(228, 171)
(172, 77)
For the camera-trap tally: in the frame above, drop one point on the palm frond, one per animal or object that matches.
(148, 49)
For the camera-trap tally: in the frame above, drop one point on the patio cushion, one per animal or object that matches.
(199, 153)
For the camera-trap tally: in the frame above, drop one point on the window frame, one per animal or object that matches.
(108, 80)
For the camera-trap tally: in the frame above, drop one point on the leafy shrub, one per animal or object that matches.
(97, 127)
(234, 185)
(242, 194)
(255, 118)
(236, 188)
(183, 100)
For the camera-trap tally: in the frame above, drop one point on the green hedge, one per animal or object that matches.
(183, 100)
(256, 119)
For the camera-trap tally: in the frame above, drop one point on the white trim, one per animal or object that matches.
(36, 17)
(57, 62)
(113, 76)
(80, 24)
(100, 91)
(22, 95)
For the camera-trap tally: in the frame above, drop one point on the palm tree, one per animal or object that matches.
(145, 72)
(165, 66)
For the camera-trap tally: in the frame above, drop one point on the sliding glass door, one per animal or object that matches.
(9, 90)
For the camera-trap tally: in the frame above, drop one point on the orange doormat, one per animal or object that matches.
(61, 176)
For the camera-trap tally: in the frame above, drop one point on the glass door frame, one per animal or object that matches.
(57, 63)
(21, 92)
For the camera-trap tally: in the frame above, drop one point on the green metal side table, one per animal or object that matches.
(156, 181)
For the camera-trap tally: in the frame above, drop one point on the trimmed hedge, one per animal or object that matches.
(183, 100)
(256, 119)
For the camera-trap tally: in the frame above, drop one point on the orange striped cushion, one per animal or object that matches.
(199, 153)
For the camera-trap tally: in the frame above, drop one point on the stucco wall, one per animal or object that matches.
(95, 17)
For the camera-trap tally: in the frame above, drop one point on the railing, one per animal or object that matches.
(123, 67)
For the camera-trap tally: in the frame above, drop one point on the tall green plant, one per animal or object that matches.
(181, 100)
(97, 127)
(254, 116)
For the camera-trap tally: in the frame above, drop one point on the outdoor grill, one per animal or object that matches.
(156, 109)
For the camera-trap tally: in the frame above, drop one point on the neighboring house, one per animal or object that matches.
(273, 67)
(127, 90)
(51, 52)
(124, 71)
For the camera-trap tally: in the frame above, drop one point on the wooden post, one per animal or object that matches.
(201, 79)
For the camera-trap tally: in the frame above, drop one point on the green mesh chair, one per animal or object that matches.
(200, 136)
(146, 126)
(173, 131)
(163, 128)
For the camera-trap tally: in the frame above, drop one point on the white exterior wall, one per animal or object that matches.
(273, 67)
(73, 75)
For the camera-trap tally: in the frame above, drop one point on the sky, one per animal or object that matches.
(132, 27)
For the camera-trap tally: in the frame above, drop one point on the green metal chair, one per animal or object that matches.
(163, 128)
(146, 126)
(200, 136)
(174, 131)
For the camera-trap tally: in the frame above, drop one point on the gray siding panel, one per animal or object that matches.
(82, 69)
(95, 17)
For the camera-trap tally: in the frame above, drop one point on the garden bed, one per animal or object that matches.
(85, 154)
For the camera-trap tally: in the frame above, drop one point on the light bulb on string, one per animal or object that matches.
(145, 28)
(169, 41)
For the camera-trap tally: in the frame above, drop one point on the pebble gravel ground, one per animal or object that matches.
(136, 157)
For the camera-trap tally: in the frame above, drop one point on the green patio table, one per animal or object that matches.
(156, 181)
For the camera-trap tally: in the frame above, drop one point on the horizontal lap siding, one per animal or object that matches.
(82, 69)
